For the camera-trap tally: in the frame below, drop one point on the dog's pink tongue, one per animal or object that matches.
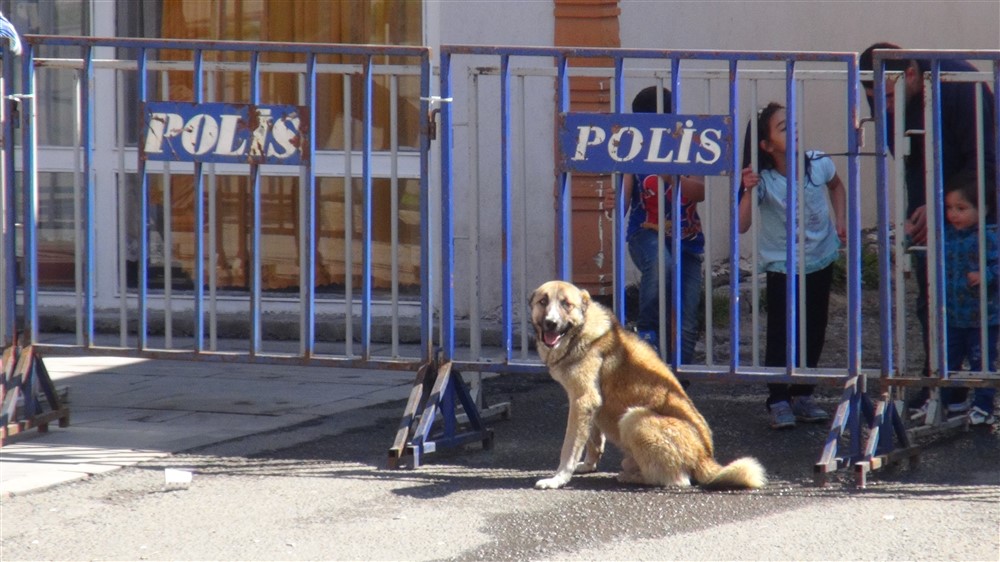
(551, 338)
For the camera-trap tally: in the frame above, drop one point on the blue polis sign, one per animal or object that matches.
(225, 133)
(647, 143)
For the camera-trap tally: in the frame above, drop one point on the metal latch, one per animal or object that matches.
(432, 115)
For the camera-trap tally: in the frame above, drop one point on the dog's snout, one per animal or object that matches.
(550, 324)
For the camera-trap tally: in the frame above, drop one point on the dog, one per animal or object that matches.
(620, 390)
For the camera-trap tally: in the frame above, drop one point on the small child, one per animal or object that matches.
(641, 236)
(824, 233)
(962, 284)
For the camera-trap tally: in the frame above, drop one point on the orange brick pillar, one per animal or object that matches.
(589, 23)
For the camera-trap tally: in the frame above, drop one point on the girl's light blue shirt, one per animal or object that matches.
(821, 241)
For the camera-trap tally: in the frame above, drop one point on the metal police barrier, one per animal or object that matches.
(200, 137)
(607, 140)
(232, 130)
(973, 114)
(163, 112)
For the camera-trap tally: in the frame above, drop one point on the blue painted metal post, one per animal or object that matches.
(307, 272)
(366, 210)
(9, 216)
(143, 258)
(936, 259)
(29, 181)
(882, 192)
(853, 222)
(734, 225)
(506, 204)
(676, 325)
(996, 143)
(90, 195)
(620, 210)
(447, 220)
(256, 248)
(426, 275)
(564, 207)
(791, 220)
(199, 220)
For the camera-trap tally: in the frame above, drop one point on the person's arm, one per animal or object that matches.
(693, 189)
(838, 198)
(608, 195)
(916, 226)
(750, 181)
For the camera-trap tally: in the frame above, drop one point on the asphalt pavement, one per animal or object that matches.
(290, 463)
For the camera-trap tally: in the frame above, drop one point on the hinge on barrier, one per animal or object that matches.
(432, 115)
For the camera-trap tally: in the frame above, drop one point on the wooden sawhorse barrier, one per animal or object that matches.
(887, 440)
(24, 375)
(436, 393)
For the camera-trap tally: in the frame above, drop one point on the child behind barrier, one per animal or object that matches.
(963, 279)
(823, 236)
(643, 213)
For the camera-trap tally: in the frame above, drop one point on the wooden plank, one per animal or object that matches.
(399, 447)
(18, 367)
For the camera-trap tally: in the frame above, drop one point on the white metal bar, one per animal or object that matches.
(903, 257)
(706, 264)
(78, 200)
(122, 213)
(755, 237)
(213, 251)
(802, 323)
(475, 281)
(523, 136)
(168, 241)
(932, 226)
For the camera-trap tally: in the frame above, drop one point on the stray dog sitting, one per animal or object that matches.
(619, 389)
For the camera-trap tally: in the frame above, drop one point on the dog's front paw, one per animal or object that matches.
(584, 467)
(557, 481)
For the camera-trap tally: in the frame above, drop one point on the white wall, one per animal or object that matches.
(830, 25)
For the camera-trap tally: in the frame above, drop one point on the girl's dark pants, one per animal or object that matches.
(817, 307)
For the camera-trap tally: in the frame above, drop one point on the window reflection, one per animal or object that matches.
(170, 220)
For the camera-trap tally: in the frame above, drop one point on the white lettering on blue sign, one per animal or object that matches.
(647, 143)
(224, 133)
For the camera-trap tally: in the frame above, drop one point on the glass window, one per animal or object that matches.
(320, 21)
(56, 111)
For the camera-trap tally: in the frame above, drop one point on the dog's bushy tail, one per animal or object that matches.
(745, 472)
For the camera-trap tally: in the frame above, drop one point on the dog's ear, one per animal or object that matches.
(531, 299)
(584, 299)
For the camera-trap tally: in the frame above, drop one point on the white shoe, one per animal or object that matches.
(978, 416)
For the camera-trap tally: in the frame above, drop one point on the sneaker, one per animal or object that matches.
(959, 407)
(781, 415)
(921, 412)
(806, 410)
(978, 416)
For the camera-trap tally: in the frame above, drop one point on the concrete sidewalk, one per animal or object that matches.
(125, 410)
